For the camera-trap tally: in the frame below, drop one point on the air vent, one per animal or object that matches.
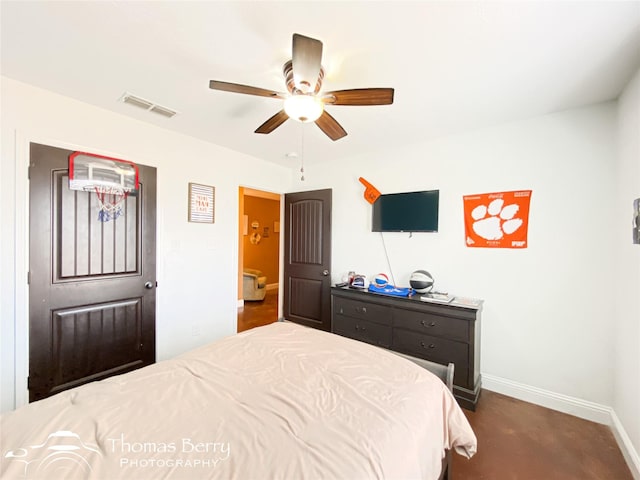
(147, 105)
(162, 111)
(137, 102)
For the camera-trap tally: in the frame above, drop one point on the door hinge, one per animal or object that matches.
(28, 278)
(29, 172)
(28, 383)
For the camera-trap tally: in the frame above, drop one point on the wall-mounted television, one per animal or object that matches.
(406, 212)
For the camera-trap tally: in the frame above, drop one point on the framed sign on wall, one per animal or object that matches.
(201, 203)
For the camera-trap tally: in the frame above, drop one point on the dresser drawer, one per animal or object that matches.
(362, 330)
(435, 349)
(362, 310)
(430, 324)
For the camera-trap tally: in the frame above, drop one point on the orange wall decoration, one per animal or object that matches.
(497, 220)
(371, 193)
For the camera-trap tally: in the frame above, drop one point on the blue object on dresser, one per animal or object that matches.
(391, 290)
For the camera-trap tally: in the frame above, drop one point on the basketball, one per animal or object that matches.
(381, 280)
(421, 281)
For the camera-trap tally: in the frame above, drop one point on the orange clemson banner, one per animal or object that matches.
(497, 220)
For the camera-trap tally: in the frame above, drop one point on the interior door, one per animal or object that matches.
(91, 283)
(307, 264)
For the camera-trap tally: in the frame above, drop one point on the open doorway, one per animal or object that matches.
(258, 258)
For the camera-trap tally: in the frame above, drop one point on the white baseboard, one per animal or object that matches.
(624, 442)
(240, 303)
(555, 401)
(594, 412)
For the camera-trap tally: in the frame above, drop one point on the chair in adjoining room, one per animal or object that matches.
(254, 285)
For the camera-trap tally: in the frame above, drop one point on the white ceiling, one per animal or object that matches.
(454, 65)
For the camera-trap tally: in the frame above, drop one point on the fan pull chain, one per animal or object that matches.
(302, 153)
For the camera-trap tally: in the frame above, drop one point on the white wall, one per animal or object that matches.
(627, 260)
(547, 321)
(197, 263)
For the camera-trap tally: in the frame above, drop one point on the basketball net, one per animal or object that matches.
(110, 201)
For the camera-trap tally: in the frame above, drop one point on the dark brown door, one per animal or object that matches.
(91, 283)
(307, 264)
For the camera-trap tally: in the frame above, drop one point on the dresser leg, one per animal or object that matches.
(468, 398)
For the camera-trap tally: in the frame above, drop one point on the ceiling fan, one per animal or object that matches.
(304, 102)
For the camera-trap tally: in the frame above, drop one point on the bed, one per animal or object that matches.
(280, 401)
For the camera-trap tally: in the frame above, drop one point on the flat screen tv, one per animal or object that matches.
(406, 212)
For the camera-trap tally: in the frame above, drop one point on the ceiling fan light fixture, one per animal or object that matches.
(305, 102)
(303, 108)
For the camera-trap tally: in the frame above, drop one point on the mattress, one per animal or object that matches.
(280, 402)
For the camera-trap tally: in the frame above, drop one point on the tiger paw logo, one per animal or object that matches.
(497, 219)
(500, 220)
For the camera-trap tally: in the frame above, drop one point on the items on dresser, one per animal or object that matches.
(439, 332)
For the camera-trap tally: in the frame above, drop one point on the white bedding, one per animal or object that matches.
(281, 401)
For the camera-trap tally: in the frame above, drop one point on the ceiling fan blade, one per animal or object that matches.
(246, 89)
(273, 123)
(306, 59)
(360, 96)
(330, 126)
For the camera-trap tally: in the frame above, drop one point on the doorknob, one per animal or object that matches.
(325, 272)
(148, 285)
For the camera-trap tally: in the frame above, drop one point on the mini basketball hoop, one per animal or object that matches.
(110, 202)
(111, 179)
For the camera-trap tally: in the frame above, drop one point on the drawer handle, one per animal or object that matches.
(425, 324)
(431, 345)
(361, 309)
(358, 327)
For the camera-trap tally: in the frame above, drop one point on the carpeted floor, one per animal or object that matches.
(522, 441)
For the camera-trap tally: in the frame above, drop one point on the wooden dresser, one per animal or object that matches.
(440, 333)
